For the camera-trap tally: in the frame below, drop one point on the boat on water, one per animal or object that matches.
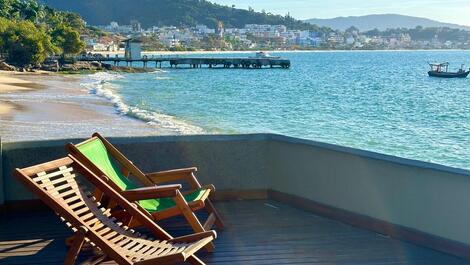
(264, 55)
(442, 70)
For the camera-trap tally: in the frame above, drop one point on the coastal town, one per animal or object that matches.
(272, 37)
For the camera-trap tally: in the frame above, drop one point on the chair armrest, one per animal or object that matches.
(182, 172)
(176, 175)
(152, 192)
(194, 237)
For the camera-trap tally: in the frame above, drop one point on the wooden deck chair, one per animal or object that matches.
(60, 184)
(103, 158)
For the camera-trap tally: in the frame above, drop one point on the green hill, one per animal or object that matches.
(171, 12)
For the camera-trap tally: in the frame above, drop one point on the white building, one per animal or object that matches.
(265, 31)
(133, 49)
(204, 30)
(350, 40)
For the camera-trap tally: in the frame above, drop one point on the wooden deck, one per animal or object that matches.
(258, 232)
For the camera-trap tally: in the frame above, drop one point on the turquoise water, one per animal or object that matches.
(378, 101)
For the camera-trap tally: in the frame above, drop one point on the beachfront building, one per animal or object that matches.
(220, 29)
(104, 43)
(204, 30)
(277, 36)
(350, 40)
(136, 26)
(265, 31)
(133, 49)
(335, 38)
(173, 36)
(303, 38)
(114, 27)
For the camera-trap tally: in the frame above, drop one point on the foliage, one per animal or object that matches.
(68, 40)
(24, 43)
(151, 43)
(30, 31)
(178, 49)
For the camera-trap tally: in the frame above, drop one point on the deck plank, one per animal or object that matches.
(257, 232)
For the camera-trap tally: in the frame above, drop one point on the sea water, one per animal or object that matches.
(381, 101)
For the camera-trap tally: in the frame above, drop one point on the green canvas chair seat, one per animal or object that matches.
(96, 152)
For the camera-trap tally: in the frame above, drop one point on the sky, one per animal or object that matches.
(451, 11)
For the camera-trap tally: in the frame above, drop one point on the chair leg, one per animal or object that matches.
(195, 260)
(97, 260)
(77, 245)
(191, 218)
(69, 240)
(211, 209)
(209, 222)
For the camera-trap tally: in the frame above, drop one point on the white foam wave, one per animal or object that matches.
(100, 86)
(159, 71)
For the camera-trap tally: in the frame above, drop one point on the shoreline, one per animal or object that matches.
(39, 106)
(272, 51)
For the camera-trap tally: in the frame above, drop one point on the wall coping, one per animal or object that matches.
(371, 154)
(253, 137)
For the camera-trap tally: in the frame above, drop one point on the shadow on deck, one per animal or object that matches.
(258, 232)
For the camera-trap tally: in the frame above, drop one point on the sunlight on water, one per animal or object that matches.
(379, 101)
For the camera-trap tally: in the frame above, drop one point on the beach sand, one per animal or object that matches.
(39, 106)
(10, 83)
(6, 108)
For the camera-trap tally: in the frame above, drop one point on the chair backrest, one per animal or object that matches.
(100, 156)
(96, 152)
(60, 185)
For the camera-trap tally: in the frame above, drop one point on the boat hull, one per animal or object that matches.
(448, 75)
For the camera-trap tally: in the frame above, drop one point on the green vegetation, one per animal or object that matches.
(30, 32)
(425, 34)
(68, 40)
(24, 43)
(173, 12)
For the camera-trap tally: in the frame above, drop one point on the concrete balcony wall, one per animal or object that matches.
(229, 162)
(426, 197)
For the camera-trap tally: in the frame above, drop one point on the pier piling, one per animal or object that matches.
(197, 62)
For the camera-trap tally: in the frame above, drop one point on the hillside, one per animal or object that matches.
(170, 12)
(381, 22)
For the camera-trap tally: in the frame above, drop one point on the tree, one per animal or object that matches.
(73, 20)
(25, 43)
(67, 40)
(5, 8)
(352, 29)
(53, 31)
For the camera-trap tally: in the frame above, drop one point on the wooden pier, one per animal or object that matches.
(195, 62)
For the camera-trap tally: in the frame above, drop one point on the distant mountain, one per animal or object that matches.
(381, 22)
(170, 12)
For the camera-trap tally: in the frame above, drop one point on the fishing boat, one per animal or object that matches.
(442, 70)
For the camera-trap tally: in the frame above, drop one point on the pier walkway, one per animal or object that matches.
(194, 62)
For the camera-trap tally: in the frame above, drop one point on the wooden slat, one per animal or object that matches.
(47, 166)
(284, 235)
(42, 175)
(57, 184)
